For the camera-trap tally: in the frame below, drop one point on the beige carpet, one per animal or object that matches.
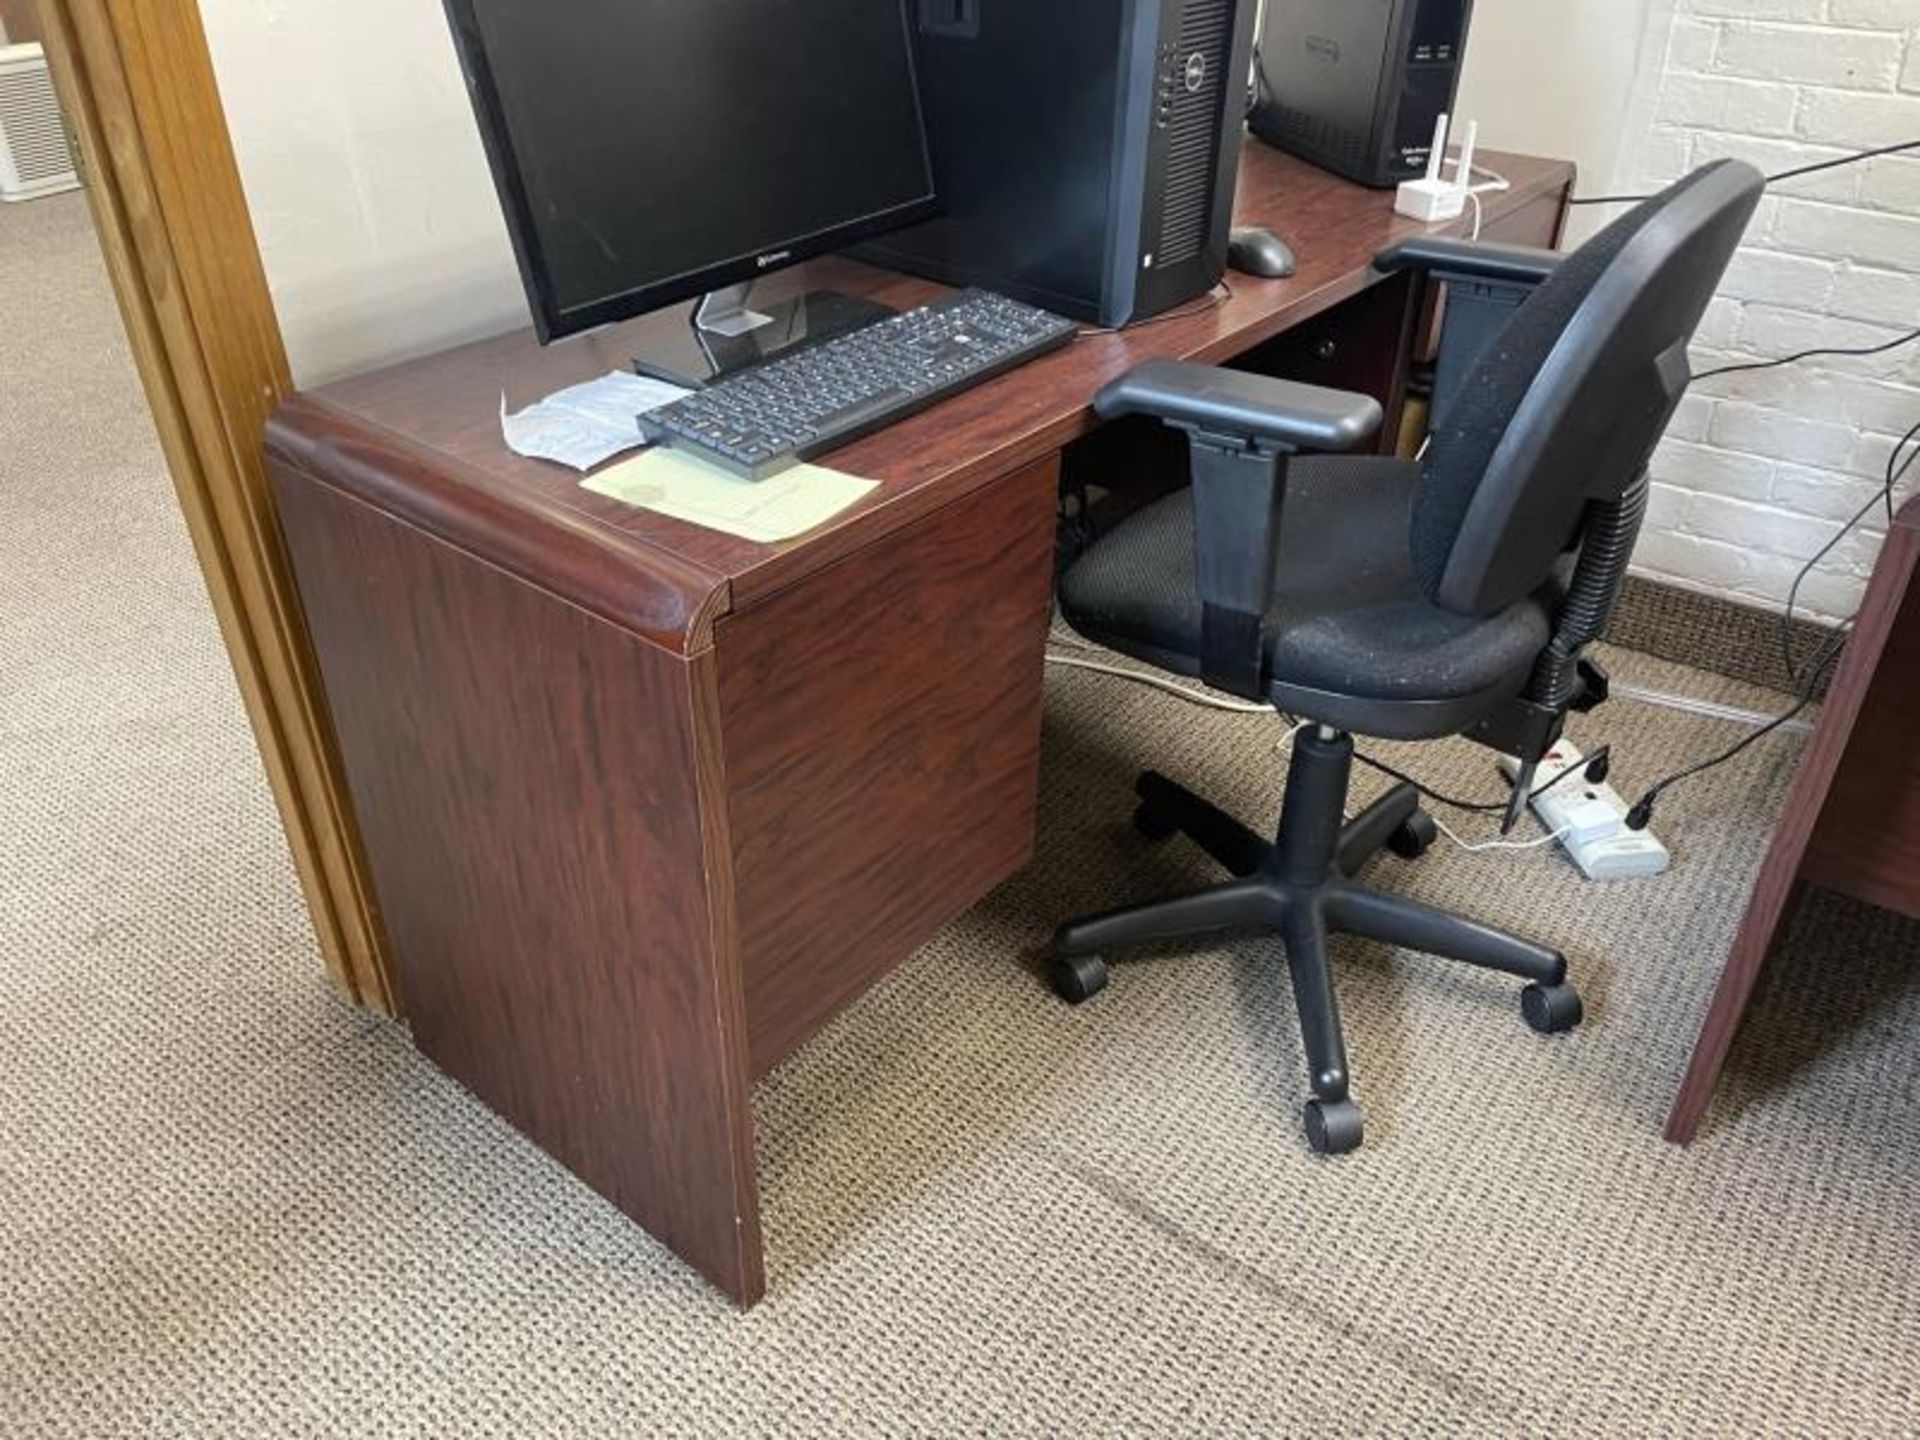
(229, 1205)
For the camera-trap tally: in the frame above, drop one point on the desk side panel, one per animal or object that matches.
(1809, 806)
(883, 745)
(1867, 843)
(529, 780)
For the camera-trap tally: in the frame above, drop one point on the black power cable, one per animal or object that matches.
(1807, 354)
(1595, 766)
(1896, 471)
(1212, 300)
(1807, 685)
(1783, 176)
(1746, 365)
(1641, 814)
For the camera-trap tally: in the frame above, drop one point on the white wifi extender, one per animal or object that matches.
(1434, 198)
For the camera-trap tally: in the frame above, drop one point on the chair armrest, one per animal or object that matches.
(1242, 431)
(1500, 264)
(1234, 406)
(1485, 285)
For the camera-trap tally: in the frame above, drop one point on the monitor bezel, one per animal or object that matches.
(551, 322)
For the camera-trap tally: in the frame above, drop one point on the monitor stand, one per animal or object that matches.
(725, 337)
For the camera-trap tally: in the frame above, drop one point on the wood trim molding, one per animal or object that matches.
(20, 21)
(136, 80)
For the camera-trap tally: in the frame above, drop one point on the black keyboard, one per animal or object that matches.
(800, 406)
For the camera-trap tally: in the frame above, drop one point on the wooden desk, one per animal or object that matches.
(646, 805)
(1852, 821)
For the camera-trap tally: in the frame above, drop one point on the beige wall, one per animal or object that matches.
(1568, 78)
(369, 190)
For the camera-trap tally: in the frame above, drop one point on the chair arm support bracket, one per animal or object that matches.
(1239, 500)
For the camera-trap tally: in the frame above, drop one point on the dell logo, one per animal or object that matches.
(1321, 48)
(1196, 73)
(779, 257)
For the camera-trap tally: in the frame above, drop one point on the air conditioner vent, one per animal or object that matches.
(35, 158)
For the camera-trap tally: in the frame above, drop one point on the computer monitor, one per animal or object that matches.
(651, 151)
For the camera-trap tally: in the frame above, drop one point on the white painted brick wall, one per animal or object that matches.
(1759, 470)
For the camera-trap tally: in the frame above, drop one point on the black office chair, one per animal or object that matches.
(1409, 600)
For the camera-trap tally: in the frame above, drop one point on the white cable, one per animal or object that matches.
(1233, 706)
(1212, 702)
(1485, 845)
(1496, 182)
(1707, 709)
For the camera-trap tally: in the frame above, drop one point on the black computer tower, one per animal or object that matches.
(1085, 151)
(1357, 86)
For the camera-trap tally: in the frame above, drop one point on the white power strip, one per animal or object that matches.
(1593, 819)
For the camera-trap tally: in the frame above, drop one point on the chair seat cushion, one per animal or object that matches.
(1348, 616)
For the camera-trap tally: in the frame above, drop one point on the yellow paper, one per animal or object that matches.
(670, 482)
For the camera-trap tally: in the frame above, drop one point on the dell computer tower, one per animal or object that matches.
(1084, 151)
(1356, 86)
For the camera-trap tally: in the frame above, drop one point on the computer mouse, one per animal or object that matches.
(1255, 250)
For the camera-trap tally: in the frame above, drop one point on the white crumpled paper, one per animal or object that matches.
(584, 425)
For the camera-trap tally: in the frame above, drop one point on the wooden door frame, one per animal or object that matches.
(136, 80)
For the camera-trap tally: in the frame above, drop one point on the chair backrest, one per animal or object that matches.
(1565, 405)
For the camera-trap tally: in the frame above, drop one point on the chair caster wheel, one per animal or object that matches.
(1333, 1126)
(1076, 979)
(1415, 837)
(1551, 1009)
(1153, 824)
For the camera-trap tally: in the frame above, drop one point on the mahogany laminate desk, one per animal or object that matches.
(1852, 821)
(645, 804)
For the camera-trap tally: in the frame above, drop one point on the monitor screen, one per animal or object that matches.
(649, 150)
